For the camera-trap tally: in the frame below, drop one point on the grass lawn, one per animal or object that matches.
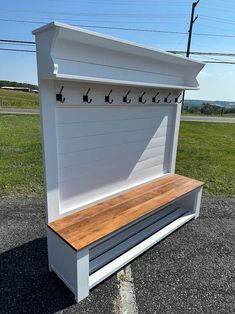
(16, 99)
(20, 156)
(206, 152)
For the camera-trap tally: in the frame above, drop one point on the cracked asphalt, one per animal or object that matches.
(191, 271)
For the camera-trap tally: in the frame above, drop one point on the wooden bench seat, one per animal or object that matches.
(87, 226)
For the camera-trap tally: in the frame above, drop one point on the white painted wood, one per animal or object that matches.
(76, 144)
(187, 202)
(197, 202)
(64, 115)
(74, 91)
(133, 240)
(125, 258)
(192, 201)
(175, 137)
(96, 161)
(112, 240)
(62, 260)
(72, 267)
(90, 80)
(83, 55)
(93, 151)
(82, 282)
(48, 124)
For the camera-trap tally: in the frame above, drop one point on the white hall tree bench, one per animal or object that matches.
(110, 113)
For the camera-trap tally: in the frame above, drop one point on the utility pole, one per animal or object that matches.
(192, 20)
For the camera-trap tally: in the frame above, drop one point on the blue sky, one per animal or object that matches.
(217, 81)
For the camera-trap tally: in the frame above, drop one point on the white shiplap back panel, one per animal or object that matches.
(105, 150)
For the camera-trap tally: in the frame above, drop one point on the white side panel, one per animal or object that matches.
(103, 151)
(62, 260)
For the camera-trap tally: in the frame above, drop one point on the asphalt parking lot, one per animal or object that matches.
(192, 271)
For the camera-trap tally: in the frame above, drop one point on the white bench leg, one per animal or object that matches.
(82, 289)
(197, 202)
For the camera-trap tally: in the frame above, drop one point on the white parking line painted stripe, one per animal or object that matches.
(127, 293)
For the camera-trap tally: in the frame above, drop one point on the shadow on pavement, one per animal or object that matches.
(26, 283)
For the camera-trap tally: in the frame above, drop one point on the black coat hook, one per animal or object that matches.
(166, 99)
(59, 97)
(125, 98)
(177, 99)
(85, 97)
(141, 98)
(107, 97)
(154, 98)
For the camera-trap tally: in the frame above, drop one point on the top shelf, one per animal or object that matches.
(70, 53)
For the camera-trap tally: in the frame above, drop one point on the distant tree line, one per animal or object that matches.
(16, 84)
(209, 109)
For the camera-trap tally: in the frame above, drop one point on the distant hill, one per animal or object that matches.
(17, 84)
(199, 103)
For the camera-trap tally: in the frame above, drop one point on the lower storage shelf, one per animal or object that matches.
(123, 240)
(135, 251)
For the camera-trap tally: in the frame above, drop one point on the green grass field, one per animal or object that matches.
(206, 152)
(20, 156)
(15, 99)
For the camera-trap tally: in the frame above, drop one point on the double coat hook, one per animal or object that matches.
(141, 98)
(154, 98)
(59, 97)
(125, 98)
(107, 97)
(166, 99)
(85, 97)
(177, 99)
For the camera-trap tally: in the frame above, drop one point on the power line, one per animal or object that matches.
(17, 41)
(132, 29)
(127, 2)
(102, 27)
(204, 53)
(200, 53)
(129, 29)
(219, 62)
(16, 50)
(218, 19)
(129, 15)
(121, 21)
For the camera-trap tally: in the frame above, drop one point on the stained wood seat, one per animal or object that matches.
(86, 227)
